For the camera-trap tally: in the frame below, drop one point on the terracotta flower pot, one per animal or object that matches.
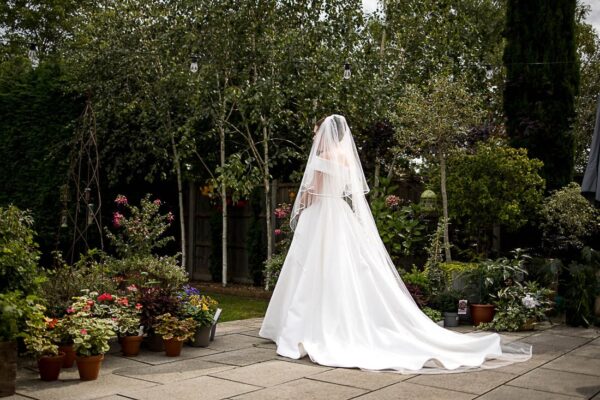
(89, 366)
(201, 337)
(130, 345)
(49, 366)
(8, 368)
(482, 313)
(69, 359)
(173, 347)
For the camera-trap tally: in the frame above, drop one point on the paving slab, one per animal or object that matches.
(536, 361)
(477, 382)
(513, 392)
(269, 373)
(158, 357)
(303, 389)
(242, 357)
(360, 379)
(173, 372)
(235, 341)
(591, 333)
(588, 350)
(203, 387)
(547, 342)
(409, 391)
(568, 383)
(580, 365)
(73, 388)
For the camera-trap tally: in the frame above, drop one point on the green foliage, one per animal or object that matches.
(142, 231)
(435, 315)
(90, 333)
(36, 115)
(494, 185)
(171, 327)
(582, 287)
(568, 219)
(19, 254)
(64, 281)
(39, 336)
(446, 301)
(273, 268)
(149, 271)
(15, 309)
(493, 275)
(518, 304)
(401, 228)
(417, 278)
(542, 82)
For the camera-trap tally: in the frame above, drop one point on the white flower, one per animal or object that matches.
(530, 302)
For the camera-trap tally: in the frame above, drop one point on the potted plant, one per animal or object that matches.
(174, 332)
(201, 309)
(488, 278)
(447, 303)
(91, 335)
(156, 302)
(40, 339)
(434, 315)
(520, 307)
(126, 315)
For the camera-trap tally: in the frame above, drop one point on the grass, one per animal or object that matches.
(238, 307)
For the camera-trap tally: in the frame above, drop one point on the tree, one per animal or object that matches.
(495, 185)
(435, 121)
(542, 82)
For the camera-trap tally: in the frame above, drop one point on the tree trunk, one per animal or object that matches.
(191, 227)
(180, 200)
(377, 172)
(267, 185)
(445, 207)
(224, 206)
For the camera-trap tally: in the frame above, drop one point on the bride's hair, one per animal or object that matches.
(319, 122)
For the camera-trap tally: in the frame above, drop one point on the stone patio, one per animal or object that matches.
(240, 365)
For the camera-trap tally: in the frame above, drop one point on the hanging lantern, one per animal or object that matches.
(428, 201)
(86, 194)
(33, 56)
(194, 64)
(90, 214)
(63, 219)
(347, 71)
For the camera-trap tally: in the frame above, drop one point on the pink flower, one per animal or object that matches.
(170, 217)
(121, 200)
(132, 288)
(83, 332)
(392, 201)
(70, 310)
(138, 306)
(117, 218)
(157, 202)
(123, 301)
(278, 232)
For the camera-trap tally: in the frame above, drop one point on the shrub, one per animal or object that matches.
(568, 219)
(19, 254)
(273, 268)
(155, 302)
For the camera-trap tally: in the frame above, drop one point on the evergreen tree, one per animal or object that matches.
(542, 82)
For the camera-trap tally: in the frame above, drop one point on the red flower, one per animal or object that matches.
(277, 232)
(90, 302)
(51, 322)
(124, 301)
(138, 306)
(105, 297)
(83, 332)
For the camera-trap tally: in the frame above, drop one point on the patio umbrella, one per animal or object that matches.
(591, 181)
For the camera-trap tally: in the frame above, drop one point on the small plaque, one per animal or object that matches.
(462, 307)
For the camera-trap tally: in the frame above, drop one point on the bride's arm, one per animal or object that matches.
(308, 198)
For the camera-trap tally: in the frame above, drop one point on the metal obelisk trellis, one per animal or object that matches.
(84, 176)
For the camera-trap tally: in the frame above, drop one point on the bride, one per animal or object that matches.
(339, 298)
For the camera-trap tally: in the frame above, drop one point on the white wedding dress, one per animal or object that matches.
(339, 298)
